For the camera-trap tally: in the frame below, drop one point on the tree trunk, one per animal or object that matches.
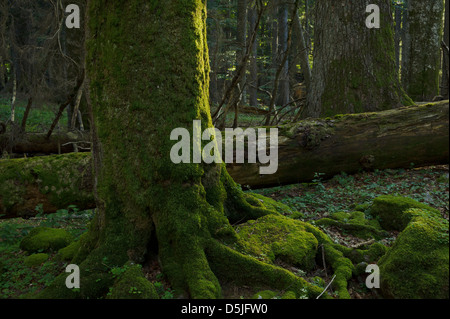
(389, 139)
(420, 70)
(445, 55)
(253, 80)
(302, 50)
(398, 11)
(354, 66)
(241, 37)
(283, 91)
(150, 208)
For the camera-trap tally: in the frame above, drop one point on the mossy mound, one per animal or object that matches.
(389, 211)
(69, 252)
(132, 284)
(417, 265)
(275, 237)
(45, 239)
(354, 223)
(35, 260)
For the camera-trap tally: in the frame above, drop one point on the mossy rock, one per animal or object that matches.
(417, 265)
(389, 211)
(276, 237)
(35, 260)
(354, 223)
(132, 284)
(67, 253)
(45, 239)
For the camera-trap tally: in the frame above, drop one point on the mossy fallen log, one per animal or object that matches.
(398, 138)
(348, 143)
(38, 143)
(51, 182)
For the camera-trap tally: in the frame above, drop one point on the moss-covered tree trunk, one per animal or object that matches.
(147, 62)
(354, 66)
(422, 49)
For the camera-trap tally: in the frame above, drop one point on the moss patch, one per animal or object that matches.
(55, 181)
(69, 252)
(35, 260)
(44, 239)
(132, 284)
(389, 211)
(272, 237)
(417, 266)
(355, 223)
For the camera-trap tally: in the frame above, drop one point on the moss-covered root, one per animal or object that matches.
(187, 268)
(343, 270)
(240, 207)
(231, 265)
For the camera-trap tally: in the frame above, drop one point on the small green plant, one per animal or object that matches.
(318, 181)
(117, 271)
(134, 291)
(162, 291)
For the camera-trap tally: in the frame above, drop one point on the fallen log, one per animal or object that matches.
(345, 143)
(38, 143)
(54, 182)
(349, 143)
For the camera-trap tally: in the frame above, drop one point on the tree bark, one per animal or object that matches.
(420, 68)
(302, 50)
(253, 80)
(389, 139)
(354, 67)
(283, 91)
(445, 55)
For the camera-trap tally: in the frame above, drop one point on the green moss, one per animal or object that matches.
(289, 295)
(343, 270)
(132, 284)
(318, 281)
(389, 211)
(375, 252)
(230, 265)
(35, 260)
(355, 223)
(58, 181)
(69, 252)
(44, 239)
(276, 237)
(417, 265)
(268, 203)
(362, 207)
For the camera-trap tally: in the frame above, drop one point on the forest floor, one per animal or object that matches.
(314, 200)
